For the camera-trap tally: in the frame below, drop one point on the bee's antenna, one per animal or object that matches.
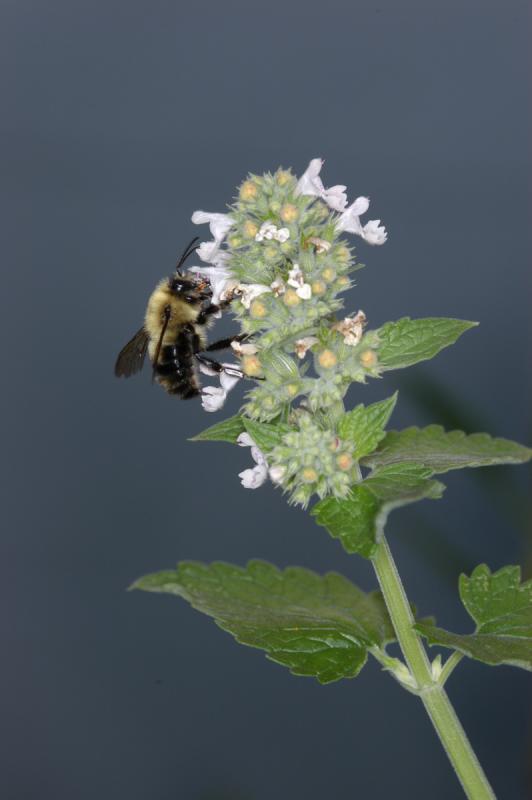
(189, 249)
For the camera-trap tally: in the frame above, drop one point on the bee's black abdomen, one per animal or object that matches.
(170, 368)
(176, 369)
(185, 391)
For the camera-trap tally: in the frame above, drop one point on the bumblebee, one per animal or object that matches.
(174, 334)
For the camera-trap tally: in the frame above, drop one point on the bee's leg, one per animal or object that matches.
(216, 367)
(208, 311)
(223, 344)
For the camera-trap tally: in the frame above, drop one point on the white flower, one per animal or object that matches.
(374, 232)
(278, 287)
(351, 328)
(221, 281)
(213, 397)
(310, 183)
(249, 291)
(267, 231)
(211, 253)
(277, 474)
(349, 221)
(244, 348)
(301, 346)
(255, 477)
(245, 440)
(282, 235)
(295, 276)
(304, 291)
(219, 225)
(297, 280)
(320, 245)
(270, 231)
(208, 251)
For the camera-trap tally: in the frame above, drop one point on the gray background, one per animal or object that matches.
(118, 120)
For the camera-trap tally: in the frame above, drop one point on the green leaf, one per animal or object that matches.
(409, 341)
(364, 425)
(501, 606)
(357, 519)
(266, 435)
(441, 451)
(317, 626)
(352, 520)
(226, 431)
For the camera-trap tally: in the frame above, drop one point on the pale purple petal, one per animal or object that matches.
(219, 224)
(208, 251)
(220, 280)
(213, 398)
(258, 456)
(277, 474)
(309, 182)
(349, 220)
(374, 232)
(245, 440)
(335, 197)
(253, 478)
(360, 206)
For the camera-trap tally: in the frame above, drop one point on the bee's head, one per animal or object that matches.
(190, 290)
(193, 292)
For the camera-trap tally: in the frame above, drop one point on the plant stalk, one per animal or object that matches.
(431, 691)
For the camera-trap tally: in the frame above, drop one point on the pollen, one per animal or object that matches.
(235, 241)
(309, 475)
(257, 309)
(290, 298)
(368, 358)
(327, 359)
(270, 252)
(251, 365)
(248, 191)
(250, 229)
(328, 274)
(289, 213)
(344, 461)
(318, 287)
(292, 389)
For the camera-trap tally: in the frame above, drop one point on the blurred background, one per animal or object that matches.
(119, 119)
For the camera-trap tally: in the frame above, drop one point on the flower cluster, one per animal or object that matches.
(313, 460)
(280, 257)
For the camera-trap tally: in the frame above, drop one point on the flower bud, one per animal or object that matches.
(248, 191)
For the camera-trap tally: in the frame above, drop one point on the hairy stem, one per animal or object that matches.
(449, 666)
(431, 691)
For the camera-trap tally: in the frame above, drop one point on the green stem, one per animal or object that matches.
(431, 691)
(449, 666)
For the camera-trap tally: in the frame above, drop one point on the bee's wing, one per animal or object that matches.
(131, 357)
(160, 342)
